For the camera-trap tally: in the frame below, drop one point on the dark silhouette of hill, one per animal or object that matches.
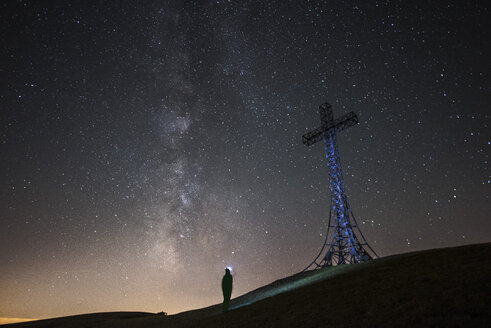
(436, 288)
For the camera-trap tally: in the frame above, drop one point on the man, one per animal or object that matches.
(226, 289)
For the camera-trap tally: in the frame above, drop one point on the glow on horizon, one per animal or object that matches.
(6, 320)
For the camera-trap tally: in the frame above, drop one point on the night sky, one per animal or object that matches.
(146, 146)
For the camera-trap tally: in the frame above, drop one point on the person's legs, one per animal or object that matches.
(226, 303)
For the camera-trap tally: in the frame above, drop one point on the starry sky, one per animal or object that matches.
(146, 145)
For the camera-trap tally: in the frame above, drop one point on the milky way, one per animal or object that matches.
(146, 146)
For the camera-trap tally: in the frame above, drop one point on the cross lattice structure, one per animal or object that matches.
(344, 242)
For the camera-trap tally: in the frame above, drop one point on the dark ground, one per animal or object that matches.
(437, 288)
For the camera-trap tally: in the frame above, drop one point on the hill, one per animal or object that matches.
(436, 288)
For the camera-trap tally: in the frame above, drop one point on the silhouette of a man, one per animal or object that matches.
(226, 289)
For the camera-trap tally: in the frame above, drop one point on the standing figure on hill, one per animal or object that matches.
(226, 289)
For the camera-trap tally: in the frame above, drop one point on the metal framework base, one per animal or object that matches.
(337, 251)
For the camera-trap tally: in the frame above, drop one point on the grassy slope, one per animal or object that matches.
(443, 287)
(450, 287)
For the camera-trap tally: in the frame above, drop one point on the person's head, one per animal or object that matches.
(227, 271)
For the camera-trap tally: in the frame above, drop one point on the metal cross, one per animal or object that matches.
(344, 242)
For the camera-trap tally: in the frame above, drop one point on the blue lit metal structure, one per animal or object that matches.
(344, 242)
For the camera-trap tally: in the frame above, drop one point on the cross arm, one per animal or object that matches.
(337, 125)
(344, 122)
(313, 136)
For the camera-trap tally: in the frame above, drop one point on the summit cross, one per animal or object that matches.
(346, 244)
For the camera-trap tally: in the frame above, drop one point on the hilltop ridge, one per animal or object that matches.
(438, 287)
